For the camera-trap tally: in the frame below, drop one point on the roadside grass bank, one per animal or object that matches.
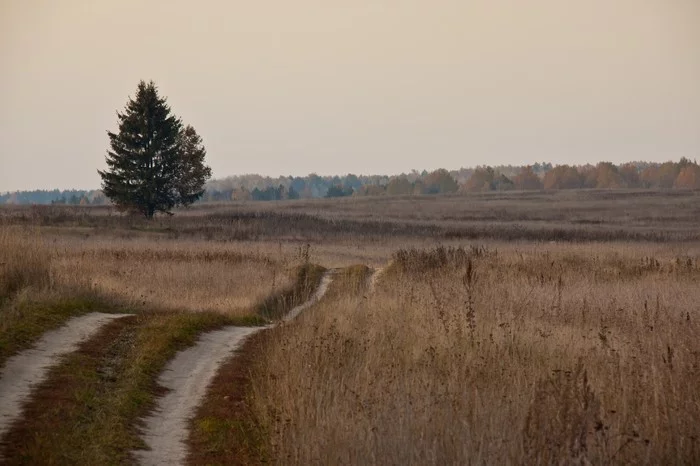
(352, 280)
(87, 411)
(29, 304)
(306, 279)
(226, 429)
(25, 319)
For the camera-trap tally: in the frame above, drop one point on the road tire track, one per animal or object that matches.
(187, 377)
(26, 370)
(376, 275)
(320, 291)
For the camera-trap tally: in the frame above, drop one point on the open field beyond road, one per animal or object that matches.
(518, 328)
(589, 215)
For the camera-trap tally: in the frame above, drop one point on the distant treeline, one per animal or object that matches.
(56, 196)
(679, 175)
(684, 174)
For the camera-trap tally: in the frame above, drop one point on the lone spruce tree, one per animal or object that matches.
(154, 163)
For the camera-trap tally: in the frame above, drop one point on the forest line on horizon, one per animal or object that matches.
(684, 174)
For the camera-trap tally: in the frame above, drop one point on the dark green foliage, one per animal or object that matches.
(192, 174)
(273, 194)
(154, 164)
(338, 191)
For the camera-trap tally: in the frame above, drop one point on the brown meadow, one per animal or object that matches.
(538, 328)
(492, 356)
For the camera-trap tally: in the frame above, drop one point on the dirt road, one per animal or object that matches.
(320, 291)
(29, 368)
(187, 378)
(376, 275)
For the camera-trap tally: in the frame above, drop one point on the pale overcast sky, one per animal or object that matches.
(283, 87)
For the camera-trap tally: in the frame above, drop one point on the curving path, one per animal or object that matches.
(29, 368)
(320, 291)
(376, 275)
(187, 377)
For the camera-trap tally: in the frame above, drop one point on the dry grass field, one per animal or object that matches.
(53, 273)
(538, 328)
(147, 272)
(572, 216)
(186, 275)
(515, 355)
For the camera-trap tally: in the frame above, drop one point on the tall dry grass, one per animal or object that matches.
(141, 273)
(172, 274)
(25, 261)
(187, 275)
(529, 355)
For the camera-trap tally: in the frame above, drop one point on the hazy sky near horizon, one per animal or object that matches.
(282, 87)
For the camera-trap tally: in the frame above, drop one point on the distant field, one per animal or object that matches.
(590, 215)
(530, 328)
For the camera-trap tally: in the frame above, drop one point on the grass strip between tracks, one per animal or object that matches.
(87, 411)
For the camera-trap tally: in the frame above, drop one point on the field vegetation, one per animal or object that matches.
(176, 290)
(525, 355)
(528, 328)
(571, 216)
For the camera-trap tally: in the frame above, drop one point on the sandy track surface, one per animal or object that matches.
(376, 275)
(320, 291)
(29, 368)
(187, 377)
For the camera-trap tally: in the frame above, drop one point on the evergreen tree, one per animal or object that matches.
(154, 164)
(192, 173)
